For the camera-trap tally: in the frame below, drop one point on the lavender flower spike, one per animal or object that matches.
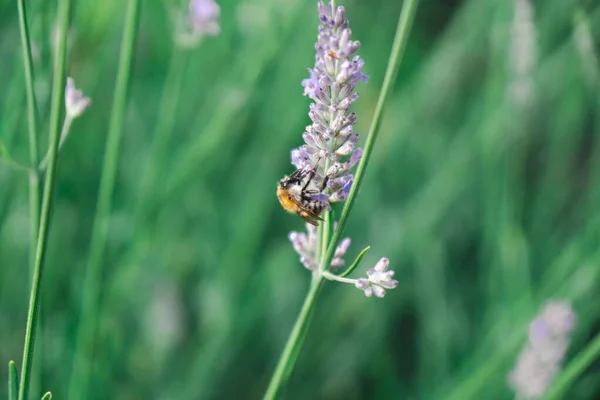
(329, 151)
(202, 20)
(540, 360)
(305, 244)
(204, 17)
(329, 148)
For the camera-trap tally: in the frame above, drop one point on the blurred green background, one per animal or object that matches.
(483, 190)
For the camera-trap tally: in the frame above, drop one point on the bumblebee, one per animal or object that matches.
(296, 198)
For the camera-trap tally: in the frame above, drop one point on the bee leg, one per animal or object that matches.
(297, 174)
(311, 175)
(324, 184)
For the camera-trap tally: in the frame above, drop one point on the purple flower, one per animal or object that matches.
(329, 143)
(540, 360)
(311, 85)
(305, 244)
(202, 19)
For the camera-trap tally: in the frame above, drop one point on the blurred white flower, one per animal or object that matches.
(75, 101)
(165, 318)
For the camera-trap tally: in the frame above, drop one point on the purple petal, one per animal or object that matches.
(300, 158)
(322, 197)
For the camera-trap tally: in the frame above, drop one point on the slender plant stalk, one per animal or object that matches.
(63, 136)
(13, 381)
(292, 346)
(34, 181)
(64, 11)
(34, 174)
(91, 285)
(288, 357)
(579, 364)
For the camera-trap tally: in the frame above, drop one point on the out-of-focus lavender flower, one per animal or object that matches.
(330, 142)
(202, 20)
(523, 51)
(204, 17)
(540, 360)
(75, 101)
(378, 279)
(306, 244)
(584, 42)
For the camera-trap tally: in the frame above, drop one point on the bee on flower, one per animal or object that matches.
(325, 160)
(324, 163)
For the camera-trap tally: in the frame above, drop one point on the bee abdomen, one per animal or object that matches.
(315, 206)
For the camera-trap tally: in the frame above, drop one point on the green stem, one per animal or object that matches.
(294, 342)
(63, 135)
(332, 277)
(325, 233)
(64, 11)
(34, 174)
(34, 181)
(13, 381)
(404, 24)
(579, 364)
(91, 285)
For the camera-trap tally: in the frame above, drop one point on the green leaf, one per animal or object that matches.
(47, 396)
(356, 262)
(13, 381)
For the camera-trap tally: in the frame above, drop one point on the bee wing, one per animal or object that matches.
(306, 214)
(310, 219)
